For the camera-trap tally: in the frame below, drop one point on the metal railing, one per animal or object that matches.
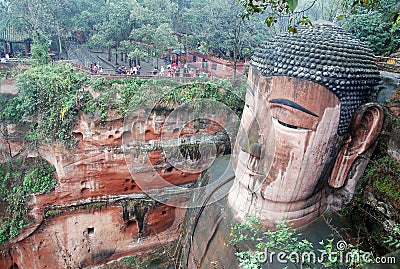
(390, 64)
(14, 60)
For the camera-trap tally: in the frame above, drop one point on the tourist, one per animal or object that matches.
(155, 71)
(118, 70)
(134, 70)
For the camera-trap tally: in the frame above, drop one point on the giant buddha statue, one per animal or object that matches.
(307, 121)
(307, 131)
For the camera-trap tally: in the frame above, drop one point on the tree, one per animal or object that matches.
(375, 27)
(164, 39)
(153, 32)
(371, 28)
(217, 26)
(114, 25)
(49, 18)
(278, 8)
(59, 13)
(40, 48)
(4, 12)
(85, 17)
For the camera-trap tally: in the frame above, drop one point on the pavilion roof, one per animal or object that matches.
(10, 33)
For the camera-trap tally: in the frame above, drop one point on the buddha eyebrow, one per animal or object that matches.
(292, 104)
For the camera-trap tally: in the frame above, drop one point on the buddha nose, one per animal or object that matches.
(249, 141)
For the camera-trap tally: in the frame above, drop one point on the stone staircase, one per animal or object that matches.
(80, 54)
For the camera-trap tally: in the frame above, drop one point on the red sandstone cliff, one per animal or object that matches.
(98, 211)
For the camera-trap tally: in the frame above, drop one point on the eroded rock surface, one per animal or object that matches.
(98, 211)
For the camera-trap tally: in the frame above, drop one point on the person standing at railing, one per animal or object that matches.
(134, 71)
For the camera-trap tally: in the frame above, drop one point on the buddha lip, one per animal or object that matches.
(253, 173)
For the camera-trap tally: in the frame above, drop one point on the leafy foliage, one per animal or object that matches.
(119, 94)
(46, 102)
(354, 4)
(383, 175)
(145, 27)
(392, 241)
(125, 95)
(19, 179)
(220, 91)
(151, 27)
(39, 49)
(375, 28)
(300, 13)
(40, 179)
(274, 10)
(286, 243)
(284, 239)
(51, 97)
(382, 181)
(216, 27)
(133, 27)
(114, 24)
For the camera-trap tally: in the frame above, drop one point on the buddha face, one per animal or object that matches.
(285, 147)
(287, 150)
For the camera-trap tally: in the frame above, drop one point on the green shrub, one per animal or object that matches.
(376, 27)
(383, 174)
(286, 240)
(46, 101)
(49, 99)
(40, 179)
(19, 179)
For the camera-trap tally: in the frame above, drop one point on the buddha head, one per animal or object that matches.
(306, 122)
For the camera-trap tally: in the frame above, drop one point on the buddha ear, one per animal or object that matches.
(364, 130)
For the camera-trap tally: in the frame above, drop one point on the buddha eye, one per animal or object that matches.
(288, 125)
(293, 116)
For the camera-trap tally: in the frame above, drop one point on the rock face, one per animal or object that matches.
(7, 87)
(92, 236)
(394, 140)
(387, 86)
(98, 211)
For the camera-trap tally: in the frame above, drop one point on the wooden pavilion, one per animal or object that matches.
(10, 35)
